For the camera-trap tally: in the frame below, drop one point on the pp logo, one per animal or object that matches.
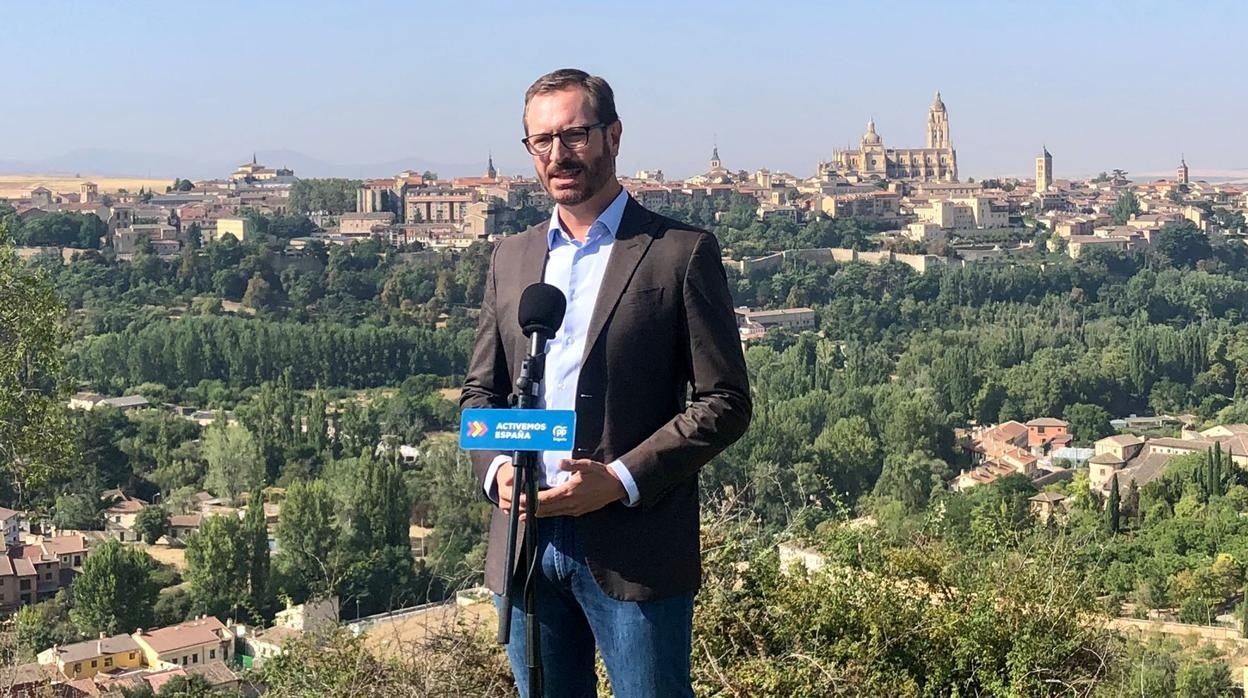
(560, 432)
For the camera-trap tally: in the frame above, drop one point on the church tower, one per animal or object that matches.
(490, 172)
(938, 125)
(1044, 171)
(715, 165)
(1181, 175)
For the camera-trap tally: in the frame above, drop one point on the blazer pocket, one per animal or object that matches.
(645, 296)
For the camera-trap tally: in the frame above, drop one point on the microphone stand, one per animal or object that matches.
(528, 388)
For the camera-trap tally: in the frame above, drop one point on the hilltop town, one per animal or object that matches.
(247, 415)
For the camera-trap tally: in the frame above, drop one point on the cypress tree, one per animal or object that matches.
(1112, 509)
(1217, 469)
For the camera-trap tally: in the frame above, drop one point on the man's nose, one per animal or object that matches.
(556, 149)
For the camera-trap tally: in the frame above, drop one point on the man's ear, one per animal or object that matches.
(613, 134)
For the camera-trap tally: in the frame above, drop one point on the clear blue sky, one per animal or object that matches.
(1103, 84)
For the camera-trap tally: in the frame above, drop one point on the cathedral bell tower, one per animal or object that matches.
(938, 125)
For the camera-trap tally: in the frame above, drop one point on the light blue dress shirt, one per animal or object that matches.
(576, 268)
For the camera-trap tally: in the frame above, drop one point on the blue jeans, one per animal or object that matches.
(645, 645)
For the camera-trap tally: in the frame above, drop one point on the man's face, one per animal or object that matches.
(572, 176)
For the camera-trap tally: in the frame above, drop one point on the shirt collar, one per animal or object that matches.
(608, 223)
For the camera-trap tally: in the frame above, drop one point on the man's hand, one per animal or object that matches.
(591, 487)
(504, 484)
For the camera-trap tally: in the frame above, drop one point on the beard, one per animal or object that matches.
(570, 181)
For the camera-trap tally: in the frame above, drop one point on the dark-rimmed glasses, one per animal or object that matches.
(573, 138)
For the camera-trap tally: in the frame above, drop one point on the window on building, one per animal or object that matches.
(212, 654)
(108, 661)
(132, 655)
(195, 658)
(77, 667)
(95, 663)
(24, 585)
(77, 561)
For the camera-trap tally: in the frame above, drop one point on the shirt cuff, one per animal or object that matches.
(626, 478)
(491, 477)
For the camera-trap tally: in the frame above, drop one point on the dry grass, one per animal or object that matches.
(451, 394)
(19, 186)
(167, 556)
(397, 638)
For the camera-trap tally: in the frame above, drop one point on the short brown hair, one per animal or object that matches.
(601, 97)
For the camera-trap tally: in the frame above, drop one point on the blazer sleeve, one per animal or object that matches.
(720, 407)
(487, 382)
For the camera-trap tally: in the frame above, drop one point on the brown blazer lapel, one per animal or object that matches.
(632, 240)
(531, 270)
(533, 259)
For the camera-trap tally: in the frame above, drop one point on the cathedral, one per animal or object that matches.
(938, 162)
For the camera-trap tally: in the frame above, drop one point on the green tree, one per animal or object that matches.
(1183, 244)
(331, 196)
(383, 510)
(79, 512)
(256, 537)
(1128, 205)
(33, 447)
(1113, 522)
(173, 606)
(217, 567)
(114, 594)
(99, 433)
(306, 539)
(42, 625)
(910, 479)
(234, 461)
(259, 294)
(1088, 423)
(1204, 680)
(151, 522)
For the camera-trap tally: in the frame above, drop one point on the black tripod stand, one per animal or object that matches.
(525, 480)
(540, 313)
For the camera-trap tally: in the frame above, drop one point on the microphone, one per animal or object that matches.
(541, 310)
(540, 314)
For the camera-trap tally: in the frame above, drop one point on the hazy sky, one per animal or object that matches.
(1128, 84)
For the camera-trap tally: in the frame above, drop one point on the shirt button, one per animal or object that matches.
(568, 341)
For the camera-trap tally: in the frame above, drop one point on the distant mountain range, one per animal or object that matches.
(123, 163)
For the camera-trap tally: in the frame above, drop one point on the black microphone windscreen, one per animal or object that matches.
(541, 309)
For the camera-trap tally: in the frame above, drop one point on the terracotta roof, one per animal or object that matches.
(215, 671)
(1046, 422)
(6, 514)
(1145, 469)
(1185, 444)
(23, 567)
(192, 633)
(65, 545)
(159, 678)
(129, 506)
(32, 673)
(86, 687)
(89, 649)
(1106, 459)
(1051, 497)
(186, 520)
(1006, 431)
(278, 635)
(1123, 439)
(29, 552)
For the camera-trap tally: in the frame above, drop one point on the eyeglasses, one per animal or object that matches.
(572, 138)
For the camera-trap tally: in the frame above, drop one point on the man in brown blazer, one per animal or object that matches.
(650, 359)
